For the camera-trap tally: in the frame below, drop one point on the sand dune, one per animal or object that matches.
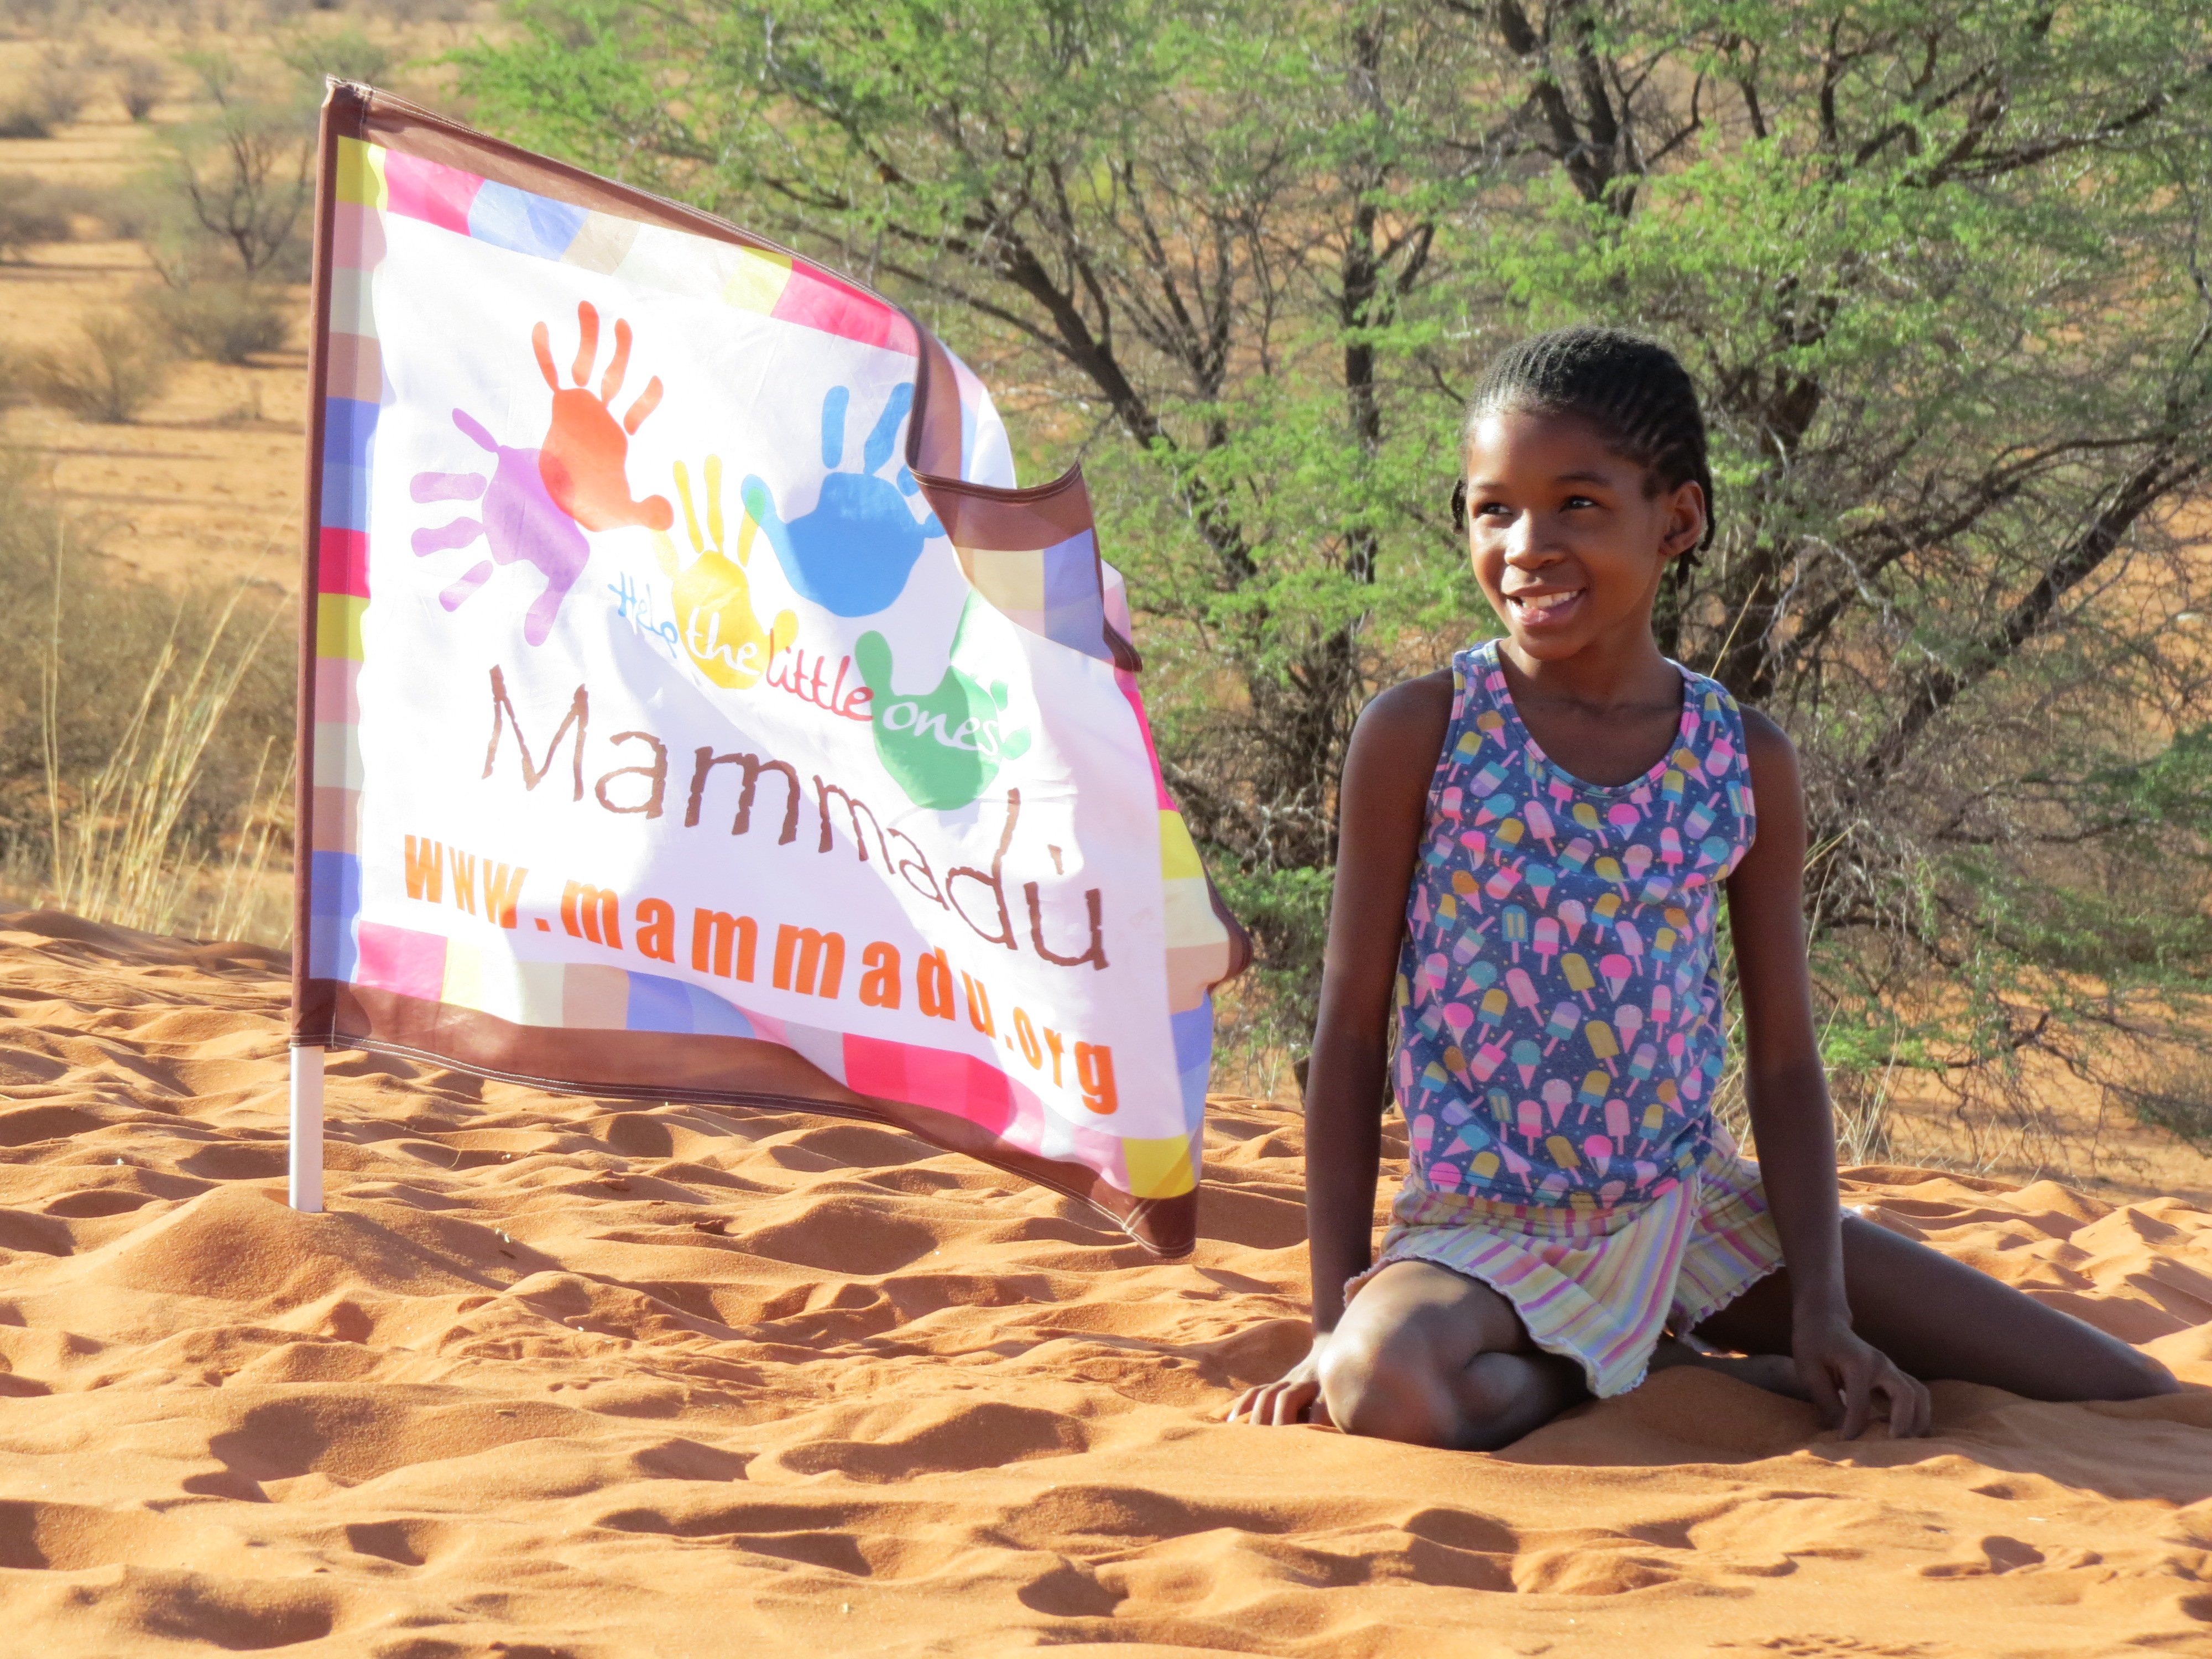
(564, 1376)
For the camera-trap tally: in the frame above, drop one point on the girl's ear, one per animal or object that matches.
(1459, 508)
(1686, 521)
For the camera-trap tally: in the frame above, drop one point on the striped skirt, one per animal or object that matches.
(1600, 1286)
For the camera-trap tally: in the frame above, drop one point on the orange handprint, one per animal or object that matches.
(584, 455)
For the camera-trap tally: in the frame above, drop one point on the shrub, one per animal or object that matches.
(144, 209)
(31, 211)
(139, 84)
(350, 55)
(114, 373)
(220, 322)
(59, 88)
(29, 19)
(418, 11)
(1267, 1017)
(53, 97)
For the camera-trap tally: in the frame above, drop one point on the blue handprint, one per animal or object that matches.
(853, 553)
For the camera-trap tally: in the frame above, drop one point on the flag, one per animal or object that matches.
(693, 707)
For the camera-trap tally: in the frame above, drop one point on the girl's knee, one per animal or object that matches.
(2141, 1377)
(2102, 1367)
(1416, 1383)
(1384, 1384)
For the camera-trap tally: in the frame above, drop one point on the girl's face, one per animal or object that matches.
(1565, 540)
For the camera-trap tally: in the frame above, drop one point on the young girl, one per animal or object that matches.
(1533, 850)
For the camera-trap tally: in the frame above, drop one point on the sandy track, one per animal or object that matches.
(564, 1376)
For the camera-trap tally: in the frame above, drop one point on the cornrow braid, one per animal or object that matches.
(1633, 389)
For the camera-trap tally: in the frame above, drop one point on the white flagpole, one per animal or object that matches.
(308, 1130)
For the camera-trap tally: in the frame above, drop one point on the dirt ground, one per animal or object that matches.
(206, 484)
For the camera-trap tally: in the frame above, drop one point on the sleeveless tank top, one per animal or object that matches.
(1558, 1006)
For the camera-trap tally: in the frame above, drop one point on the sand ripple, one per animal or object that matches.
(571, 1378)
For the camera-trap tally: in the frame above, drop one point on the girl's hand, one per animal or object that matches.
(1288, 1399)
(1844, 1372)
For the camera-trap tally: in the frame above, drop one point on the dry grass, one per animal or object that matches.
(145, 749)
(118, 851)
(145, 769)
(54, 95)
(135, 664)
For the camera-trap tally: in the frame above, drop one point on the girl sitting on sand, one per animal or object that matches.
(1533, 850)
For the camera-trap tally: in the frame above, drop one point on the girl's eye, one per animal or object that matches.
(1580, 500)
(1493, 510)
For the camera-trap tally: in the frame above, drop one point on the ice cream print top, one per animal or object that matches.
(1559, 1008)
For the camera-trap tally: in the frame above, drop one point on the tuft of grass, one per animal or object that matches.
(145, 736)
(110, 376)
(1865, 1131)
(118, 837)
(264, 841)
(220, 322)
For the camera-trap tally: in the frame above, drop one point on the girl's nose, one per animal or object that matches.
(1523, 547)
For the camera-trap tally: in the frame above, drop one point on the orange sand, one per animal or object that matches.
(566, 1376)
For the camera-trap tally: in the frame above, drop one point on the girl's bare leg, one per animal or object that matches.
(1775, 1372)
(1939, 1318)
(1424, 1356)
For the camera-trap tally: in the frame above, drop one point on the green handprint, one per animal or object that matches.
(943, 747)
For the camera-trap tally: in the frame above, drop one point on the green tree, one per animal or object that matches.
(246, 173)
(1198, 227)
(1937, 269)
(1935, 265)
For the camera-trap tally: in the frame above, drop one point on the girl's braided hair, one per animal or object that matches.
(1633, 389)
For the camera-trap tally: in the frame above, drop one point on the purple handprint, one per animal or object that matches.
(521, 523)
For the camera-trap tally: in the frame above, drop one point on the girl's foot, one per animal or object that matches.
(1774, 1372)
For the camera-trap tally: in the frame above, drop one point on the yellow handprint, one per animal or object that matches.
(713, 601)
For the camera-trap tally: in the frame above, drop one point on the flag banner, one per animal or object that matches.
(693, 708)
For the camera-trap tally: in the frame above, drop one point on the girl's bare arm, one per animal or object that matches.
(1787, 1089)
(1383, 808)
(1854, 1297)
(1384, 805)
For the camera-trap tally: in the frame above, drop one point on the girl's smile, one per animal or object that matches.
(1543, 607)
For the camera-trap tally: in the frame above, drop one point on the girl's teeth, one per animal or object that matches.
(1543, 601)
